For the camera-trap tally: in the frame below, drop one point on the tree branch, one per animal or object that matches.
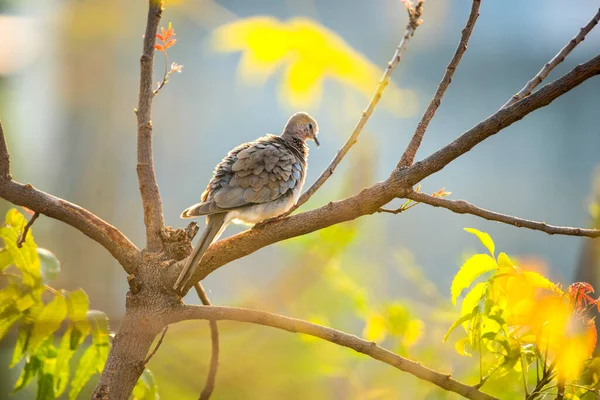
(368, 201)
(160, 340)
(209, 386)
(462, 207)
(153, 213)
(23, 235)
(502, 119)
(413, 23)
(557, 59)
(371, 349)
(399, 184)
(411, 150)
(121, 248)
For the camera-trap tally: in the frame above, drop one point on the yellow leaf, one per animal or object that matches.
(504, 261)
(375, 328)
(471, 269)
(461, 345)
(310, 53)
(414, 331)
(538, 281)
(571, 359)
(485, 239)
(471, 300)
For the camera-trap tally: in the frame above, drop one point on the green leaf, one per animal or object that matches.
(25, 258)
(99, 323)
(61, 371)
(48, 354)
(470, 304)
(458, 322)
(45, 388)
(461, 345)
(5, 258)
(398, 317)
(73, 338)
(91, 361)
(485, 239)
(146, 388)
(30, 370)
(7, 318)
(8, 297)
(471, 270)
(25, 302)
(77, 305)
(22, 343)
(48, 321)
(49, 265)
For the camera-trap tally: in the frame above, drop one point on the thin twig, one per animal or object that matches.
(560, 388)
(462, 207)
(23, 235)
(557, 59)
(413, 146)
(4, 157)
(162, 336)
(413, 23)
(214, 313)
(165, 76)
(395, 211)
(209, 386)
(153, 213)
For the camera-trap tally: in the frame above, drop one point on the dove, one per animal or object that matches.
(256, 181)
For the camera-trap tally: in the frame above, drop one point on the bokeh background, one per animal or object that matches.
(68, 85)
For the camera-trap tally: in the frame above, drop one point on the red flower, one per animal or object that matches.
(579, 293)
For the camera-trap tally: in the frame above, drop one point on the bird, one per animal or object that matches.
(256, 181)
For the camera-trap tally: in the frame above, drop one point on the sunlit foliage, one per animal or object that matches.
(52, 326)
(309, 54)
(518, 320)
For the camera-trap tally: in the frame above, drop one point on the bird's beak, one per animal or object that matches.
(317, 141)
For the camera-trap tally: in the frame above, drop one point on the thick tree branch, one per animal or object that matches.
(413, 23)
(153, 213)
(502, 119)
(125, 252)
(413, 146)
(399, 184)
(557, 59)
(224, 251)
(462, 207)
(209, 385)
(371, 349)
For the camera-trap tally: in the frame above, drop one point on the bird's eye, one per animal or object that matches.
(310, 126)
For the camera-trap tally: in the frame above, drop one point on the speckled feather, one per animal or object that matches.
(257, 172)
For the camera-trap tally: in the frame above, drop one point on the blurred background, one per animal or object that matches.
(69, 72)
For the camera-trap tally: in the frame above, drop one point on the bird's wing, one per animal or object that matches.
(253, 173)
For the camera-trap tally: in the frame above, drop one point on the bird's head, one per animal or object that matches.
(303, 126)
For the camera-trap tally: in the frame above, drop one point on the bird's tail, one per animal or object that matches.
(213, 228)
